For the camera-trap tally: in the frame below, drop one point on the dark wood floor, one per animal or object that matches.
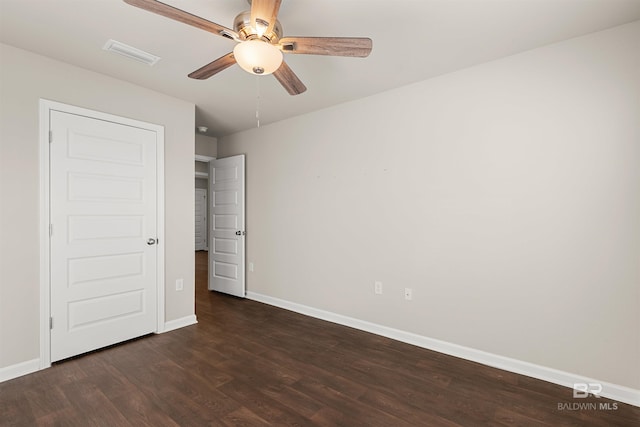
(249, 364)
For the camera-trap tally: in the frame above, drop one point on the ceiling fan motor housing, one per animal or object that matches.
(242, 25)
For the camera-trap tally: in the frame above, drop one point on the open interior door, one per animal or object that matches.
(226, 254)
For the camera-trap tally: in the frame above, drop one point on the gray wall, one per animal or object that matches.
(506, 195)
(24, 79)
(206, 145)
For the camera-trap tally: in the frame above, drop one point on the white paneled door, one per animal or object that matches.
(103, 250)
(226, 254)
(201, 219)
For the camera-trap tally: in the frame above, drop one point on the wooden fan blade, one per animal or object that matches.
(214, 67)
(184, 17)
(288, 79)
(265, 10)
(334, 46)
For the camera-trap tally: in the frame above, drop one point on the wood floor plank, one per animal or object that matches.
(249, 364)
(44, 400)
(141, 411)
(293, 399)
(349, 409)
(266, 408)
(508, 417)
(420, 413)
(66, 417)
(91, 404)
(15, 410)
(243, 417)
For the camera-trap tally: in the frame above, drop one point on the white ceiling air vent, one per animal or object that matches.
(131, 52)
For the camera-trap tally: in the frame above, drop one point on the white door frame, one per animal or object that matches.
(206, 217)
(46, 107)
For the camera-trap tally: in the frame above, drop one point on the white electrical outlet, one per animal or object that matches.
(251, 266)
(408, 294)
(179, 284)
(377, 286)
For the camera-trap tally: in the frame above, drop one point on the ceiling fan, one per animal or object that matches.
(261, 42)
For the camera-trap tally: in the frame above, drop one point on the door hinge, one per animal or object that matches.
(50, 322)
(50, 136)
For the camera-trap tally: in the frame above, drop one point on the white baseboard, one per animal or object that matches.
(180, 323)
(19, 369)
(612, 391)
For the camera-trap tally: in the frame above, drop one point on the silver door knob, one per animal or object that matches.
(151, 241)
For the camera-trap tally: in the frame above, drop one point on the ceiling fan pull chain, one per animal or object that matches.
(258, 101)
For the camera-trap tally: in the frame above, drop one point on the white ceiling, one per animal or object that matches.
(413, 40)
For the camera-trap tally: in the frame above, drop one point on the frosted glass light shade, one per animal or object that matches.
(257, 57)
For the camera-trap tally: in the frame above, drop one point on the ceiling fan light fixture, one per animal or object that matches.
(257, 57)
